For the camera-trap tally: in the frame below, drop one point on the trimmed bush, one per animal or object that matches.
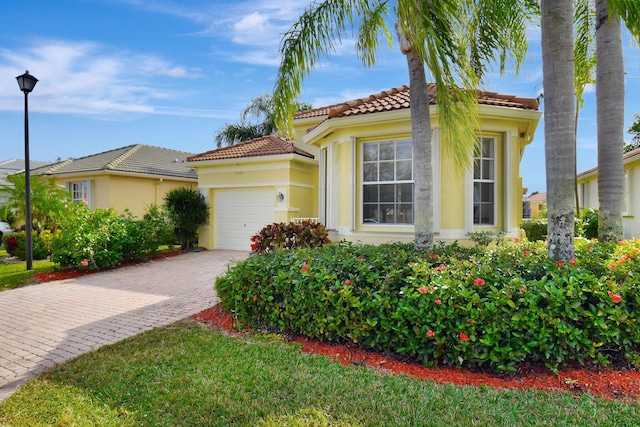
(492, 309)
(16, 245)
(535, 229)
(303, 234)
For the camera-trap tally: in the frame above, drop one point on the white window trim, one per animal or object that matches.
(626, 193)
(470, 226)
(89, 184)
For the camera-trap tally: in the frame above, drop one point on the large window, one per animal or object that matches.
(484, 183)
(387, 182)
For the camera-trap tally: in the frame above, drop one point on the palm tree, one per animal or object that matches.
(261, 108)
(559, 123)
(610, 109)
(456, 39)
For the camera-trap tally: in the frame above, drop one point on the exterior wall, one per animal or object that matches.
(453, 189)
(588, 197)
(123, 192)
(294, 177)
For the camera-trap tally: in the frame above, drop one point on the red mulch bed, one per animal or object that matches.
(608, 383)
(71, 272)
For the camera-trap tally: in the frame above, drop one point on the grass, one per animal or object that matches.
(188, 375)
(17, 275)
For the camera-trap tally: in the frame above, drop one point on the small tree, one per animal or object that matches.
(634, 130)
(188, 211)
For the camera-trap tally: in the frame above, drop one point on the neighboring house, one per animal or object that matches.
(13, 166)
(351, 166)
(532, 205)
(588, 192)
(132, 177)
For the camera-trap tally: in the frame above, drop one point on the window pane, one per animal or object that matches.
(487, 147)
(404, 150)
(486, 214)
(476, 169)
(476, 192)
(487, 192)
(387, 150)
(405, 193)
(370, 151)
(370, 193)
(403, 170)
(370, 213)
(487, 169)
(386, 171)
(387, 214)
(370, 171)
(405, 214)
(387, 193)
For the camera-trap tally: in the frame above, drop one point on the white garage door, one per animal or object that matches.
(239, 214)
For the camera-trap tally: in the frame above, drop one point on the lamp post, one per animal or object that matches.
(27, 82)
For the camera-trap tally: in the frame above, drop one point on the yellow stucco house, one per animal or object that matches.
(131, 177)
(350, 165)
(588, 193)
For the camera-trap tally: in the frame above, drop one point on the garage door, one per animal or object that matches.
(239, 214)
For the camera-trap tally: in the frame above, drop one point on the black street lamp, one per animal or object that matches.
(27, 82)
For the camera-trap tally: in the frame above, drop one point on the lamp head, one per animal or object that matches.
(26, 82)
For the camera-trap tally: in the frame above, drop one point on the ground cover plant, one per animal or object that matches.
(478, 307)
(186, 374)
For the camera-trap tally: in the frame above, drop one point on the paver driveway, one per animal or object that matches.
(46, 324)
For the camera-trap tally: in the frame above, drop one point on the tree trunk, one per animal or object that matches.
(559, 124)
(610, 122)
(422, 150)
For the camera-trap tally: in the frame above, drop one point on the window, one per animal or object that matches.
(484, 183)
(387, 182)
(81, 192)
(625, 197)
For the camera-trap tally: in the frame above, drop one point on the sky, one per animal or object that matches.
(171, 73)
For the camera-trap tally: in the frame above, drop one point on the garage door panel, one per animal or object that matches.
(239, 214)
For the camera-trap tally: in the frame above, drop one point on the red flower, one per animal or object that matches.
(254, 246)
(438, 302)
(441, 267)
(516, 239)
(613, 265)
(615, 297)
(572, 260)
(347, 282)
(433, 256)
(559, 262)
(305, 267)
(526, 252)
(255, 297)
(361, 257)
(430, 333)
(589, 249)
(464, 336)
(423, 289)
(620, 243)
(523, 288)
(479, 282)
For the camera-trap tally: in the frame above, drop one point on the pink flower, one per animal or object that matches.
(438, 302)
(305, 267)
(572, 260)
(347, 282)
(255, 297)
(423, 289)
(615, 297)
(613, 265)
(361, 257)
(440, 267)
(464, 336)
(430, 333)
(84, 263)
(516, 239)
(433, 256)
(523, 288)
(526, 252)
(479, 282)
(620, 243)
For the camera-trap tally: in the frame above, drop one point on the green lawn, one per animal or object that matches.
(16, 275)
(187, 375)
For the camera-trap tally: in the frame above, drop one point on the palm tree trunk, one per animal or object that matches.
(610, 122)
(559, 126)
(422, 150)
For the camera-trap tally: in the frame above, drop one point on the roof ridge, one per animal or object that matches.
(113, 164)
(338, 109)
(58, 165)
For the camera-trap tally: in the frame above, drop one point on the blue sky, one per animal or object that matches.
(170, 73)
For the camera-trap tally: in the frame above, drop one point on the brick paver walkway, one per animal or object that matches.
(46, 324)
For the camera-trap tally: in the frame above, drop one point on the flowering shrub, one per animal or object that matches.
(16, 245)
(492, 308)
(304, 234)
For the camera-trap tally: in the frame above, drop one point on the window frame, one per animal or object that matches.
(86, 191)
(479, 158)
(363, 183)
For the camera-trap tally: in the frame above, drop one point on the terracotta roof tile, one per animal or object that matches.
(266, 146)
(398, 98)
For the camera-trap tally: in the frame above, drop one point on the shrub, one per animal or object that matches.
(589, 218)
(303, 234)
(535, 229)
(16, 245)
(493, 308)
(187, 210)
